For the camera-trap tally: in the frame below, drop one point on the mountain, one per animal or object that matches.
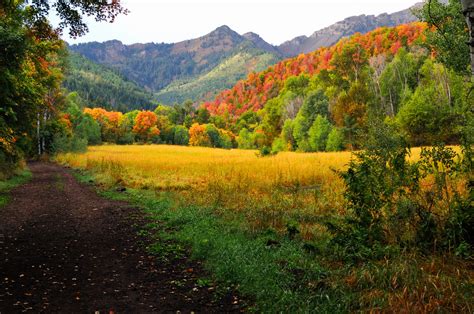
(330, 35)
(164, 68)
(101, 86)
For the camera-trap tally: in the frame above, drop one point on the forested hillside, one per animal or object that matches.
(101, 86)
(155, 66)
(258, 88)
(223, 76)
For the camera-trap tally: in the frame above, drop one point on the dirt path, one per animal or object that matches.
(65, 249)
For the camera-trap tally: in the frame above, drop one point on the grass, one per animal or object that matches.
(258, 223)
(269, 192)
(6, 186)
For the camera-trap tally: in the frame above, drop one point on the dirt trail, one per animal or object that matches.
(65, 249)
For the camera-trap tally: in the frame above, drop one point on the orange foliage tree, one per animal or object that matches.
(109, 122)
(198, 135)
(145, 126)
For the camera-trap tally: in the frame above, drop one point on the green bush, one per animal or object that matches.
(181, 135)
(89, 129)
(64, 144)
(389, 207)
(265, 151)
(278, 145)
(126, 139)
(245, 140)
(335, 141)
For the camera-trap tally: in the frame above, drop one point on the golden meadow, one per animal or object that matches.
(267, 191)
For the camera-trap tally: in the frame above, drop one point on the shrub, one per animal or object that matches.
(181, 135)
(64, 144)
(264, 151)
(244, 140)
(335, 140)
(390, 206)
(278, 145)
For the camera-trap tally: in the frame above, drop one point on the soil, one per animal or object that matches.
(65, 249)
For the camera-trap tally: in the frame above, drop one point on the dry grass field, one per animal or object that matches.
(268, 191)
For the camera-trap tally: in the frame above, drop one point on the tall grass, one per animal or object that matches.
(268, 191)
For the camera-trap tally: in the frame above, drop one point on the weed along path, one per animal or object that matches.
(65, 249)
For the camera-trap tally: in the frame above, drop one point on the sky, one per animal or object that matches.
(275, 21)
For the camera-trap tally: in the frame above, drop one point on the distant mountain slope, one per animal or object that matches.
(103, 87)
(223, 76)
(155, 66)
(328, 36)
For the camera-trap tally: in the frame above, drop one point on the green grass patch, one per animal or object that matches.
(6, 186)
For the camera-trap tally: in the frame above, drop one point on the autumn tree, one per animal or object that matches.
(162, 110)
(30, 77)
(350, 62)
(350, 111)
(145, 126)
(198, 135)
(166, 128)
(272, 116)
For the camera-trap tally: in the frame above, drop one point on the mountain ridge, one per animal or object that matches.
(330, 35)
